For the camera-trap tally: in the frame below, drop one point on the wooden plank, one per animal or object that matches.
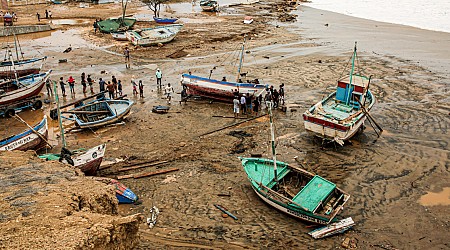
(128, 176)
(142, 166)
(136, 176)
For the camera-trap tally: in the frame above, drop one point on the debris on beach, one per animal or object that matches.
(151, 221)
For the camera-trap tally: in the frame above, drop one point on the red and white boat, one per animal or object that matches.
(22, 88)
(27, 139)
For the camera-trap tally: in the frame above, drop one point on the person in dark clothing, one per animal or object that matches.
(110, 88)
(119, 87)
(281, 92)
(83, 82)
(102, 84)
(114, 82)
(91, 83)
(141, 89)
(38, 16)
(275, 98)
(63, 89)
(248, 102)
(46, 14)
(256, 104)
(95, 26)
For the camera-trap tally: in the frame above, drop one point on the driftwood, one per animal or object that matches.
(232, 125)
(142, 166)
(225, 211)
(147, 174)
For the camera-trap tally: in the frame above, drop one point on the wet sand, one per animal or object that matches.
(386, 178)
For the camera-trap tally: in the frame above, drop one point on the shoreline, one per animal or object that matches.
(426, 48)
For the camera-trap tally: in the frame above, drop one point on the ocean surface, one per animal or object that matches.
(430, 15)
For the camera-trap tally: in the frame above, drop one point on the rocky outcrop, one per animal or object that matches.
(49, 205)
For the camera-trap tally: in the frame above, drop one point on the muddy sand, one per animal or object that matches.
(386, 177)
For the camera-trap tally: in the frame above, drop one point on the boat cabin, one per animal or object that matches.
(349, 93)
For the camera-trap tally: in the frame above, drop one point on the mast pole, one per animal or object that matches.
(14, 67)
(272, 135)
(59, 115)
(15, 46)
(241, 59)
(351, 75)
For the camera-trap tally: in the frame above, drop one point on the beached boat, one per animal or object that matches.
(119, 36)
(114, 25)
(342, 113)
(248, 20)
(22, 88)
(293, 190)
(160, 109)
(28, 139)
(163, 20)
(153, 36)
(123, 193)
(221, 90)
(101, 113)
(209, 5)
(87, 161)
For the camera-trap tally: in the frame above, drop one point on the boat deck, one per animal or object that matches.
(338, 111)
(260, 173)
(314, 193)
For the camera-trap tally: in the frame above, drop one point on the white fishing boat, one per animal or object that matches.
(153, 36)
(28, 139)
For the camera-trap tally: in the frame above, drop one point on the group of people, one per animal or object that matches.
(250, 104)
(48, 15)
(114, 86)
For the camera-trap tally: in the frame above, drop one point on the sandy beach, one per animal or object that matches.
(387, 177)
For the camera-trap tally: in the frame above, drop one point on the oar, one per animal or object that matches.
(34, 131)
(370, 117)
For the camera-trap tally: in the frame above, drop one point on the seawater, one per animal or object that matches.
(430, 15)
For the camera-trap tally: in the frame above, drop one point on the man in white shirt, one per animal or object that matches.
(168, 90)
(236, 107)
(243, 105)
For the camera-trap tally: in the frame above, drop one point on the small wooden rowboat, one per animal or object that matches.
(153, 36)
(209, 5)
(27, 139)
(162, 20)
(123, 193)
(160, 109)
(101, 113)
(25, 87)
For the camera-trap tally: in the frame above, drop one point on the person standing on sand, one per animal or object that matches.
(48, 86)
(281, 93)
(71, 82)
(141, 89)
(38, 17)
(102, 84)
(248, 102)
(50, 14)
(114, 82)
(126, 52)
(236, 106)
(256, 104)
(133, 82)
(243, 105)
(110, 88)
(46, 14)
(119, 87)
(83, 82)
(61, 83)
(168, 91)
(158, 78)
(91, 83)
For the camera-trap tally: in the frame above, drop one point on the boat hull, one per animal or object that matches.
(31, 89)
(10, 74)
(153, 36)
(218, 90)
(89, 161)
(165, 20)
(119, 110)
(28, 139)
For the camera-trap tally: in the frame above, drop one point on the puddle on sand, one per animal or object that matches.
(434, 199)
(70, 21)
(22, 37)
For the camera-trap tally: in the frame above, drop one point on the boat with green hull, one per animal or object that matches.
(293, 190)
(114, 25)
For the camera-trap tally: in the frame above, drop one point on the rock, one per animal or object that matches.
(224, 215)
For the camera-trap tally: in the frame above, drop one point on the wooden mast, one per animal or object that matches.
(241, 59)
(351, 77)
(272, 136)
(59, 115)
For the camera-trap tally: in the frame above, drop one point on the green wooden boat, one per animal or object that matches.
(293, 190)
(113, 25)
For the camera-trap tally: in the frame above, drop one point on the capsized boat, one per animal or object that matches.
(209, 5)
(123, 193)
(221, 90)
(153, 36)
(342, 113)
(163, 20)
(22, 88)
(293, 190)
(101, 113)
(27, 139)
(119, 36)
(113, 25)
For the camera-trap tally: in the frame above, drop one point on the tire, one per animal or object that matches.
(37, 104)
(10, 113)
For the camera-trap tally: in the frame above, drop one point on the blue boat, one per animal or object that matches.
(123, 193)
(163, 20)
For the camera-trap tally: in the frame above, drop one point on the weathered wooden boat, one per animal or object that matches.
(153, 36)
(342, 113)
(119, 36)
(209, 5)
(293, 190)
(113, 25)
(101, 113)
(87, 161)
(163, 20)
(22, 88)
(160, 109)
(28, 139)
(10, 74)
(220, 90)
